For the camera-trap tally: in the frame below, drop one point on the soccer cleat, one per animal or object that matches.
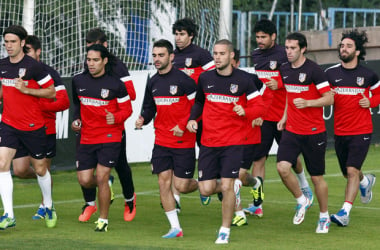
(6, 222)
(223, 238)
(87, 211)
(323, 226)
(341, 218)
(237, 187)
(51, 217)
(307, 192)
(220, 196)
(173, 233)
(101, 226)
(130, 209)
(252, 210)
(239, 221)
(110, 182)
(40, 214)
(300, 212)
(205, 200)
(366, 192)
(258, 193)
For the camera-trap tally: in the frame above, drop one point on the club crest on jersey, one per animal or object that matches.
(21, 72)
(173, 89)
(302, 77)
(104, 93)
(360, 81)
(188, 62)
(234, 88)
(273, 65)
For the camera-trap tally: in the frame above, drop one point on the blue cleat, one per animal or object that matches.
(341, 218)
(205, 200)
(40, 214)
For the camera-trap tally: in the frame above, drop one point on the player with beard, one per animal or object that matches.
(307, 92)
(353, 85)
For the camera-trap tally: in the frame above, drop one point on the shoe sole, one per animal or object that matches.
(337, 221)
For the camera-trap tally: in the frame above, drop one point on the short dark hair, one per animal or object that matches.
(301, 38)
(237, 55)
(163, 43)
(19, 31)
(33, 41)
(104, 53)
(226, 42)
(186, 24)
(360, 38)
(96, 35)
(266, 26)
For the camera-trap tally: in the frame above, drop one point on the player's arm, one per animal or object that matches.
(190, 89)
(149, 109)
(281, 123)
(375, 92)
(124, 104)
(45, 92)
(60, 103)
(76, 124)
(326, 99)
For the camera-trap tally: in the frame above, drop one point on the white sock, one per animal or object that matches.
(347, 207)
(6, 192)
(173, 218)
(240, 213)
(302, 179)
(91, 203)
(364, 182)
(177, 198)
(45, 185)
(225, 230)
(324, 215)
(258, 182)
(301, 199)
(103, 220)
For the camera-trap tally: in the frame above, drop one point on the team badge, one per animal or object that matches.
(234, 88)
(273, 65)
(104, 93)
(173, 89)
(360, 81)
(188, 62)
(21, 72)
(302, 77)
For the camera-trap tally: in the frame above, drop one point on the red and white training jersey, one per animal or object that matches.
(93, 98)
(22, 111)
(308, 82)
(168, 99)
(193, 60)
(349, 85)
(215, 100)
(51, 106)
(267, 63)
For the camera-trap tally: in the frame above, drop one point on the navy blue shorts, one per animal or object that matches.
(215, 162)
(269, 132)
(90, 155)
(180, 160)
(51, 148)
(34, 142)
(312, 147)
(248, 155)
(352, 150)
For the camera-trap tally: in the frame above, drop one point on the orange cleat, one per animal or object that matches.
(87, 212)
(130, 209)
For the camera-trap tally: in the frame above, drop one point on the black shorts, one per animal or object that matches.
(51, 148)
(34, 142)
(181, 160)
(269, 132)
(248, 155)
(352, 150)
(312, 147)
(215, 162)
(89, 155)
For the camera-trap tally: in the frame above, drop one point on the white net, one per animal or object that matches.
(131, 26)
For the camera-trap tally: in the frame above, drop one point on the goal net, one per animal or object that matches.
(131, 26)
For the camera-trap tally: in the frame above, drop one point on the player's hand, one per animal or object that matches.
(238, 109)
(192, 126)
(257, 122)
(76, 125)
(272, 83)
(300, 103)
(177, 131)
(139, 122)
(110, 118)
(20, 85)
(364, 102)
(281, 124)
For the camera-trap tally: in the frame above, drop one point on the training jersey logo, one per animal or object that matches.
(234, 88)
(273, 65)
(104, 93)
(302, 77)
(21, 72)
(173, 89)
(188, 62)
(359, 81)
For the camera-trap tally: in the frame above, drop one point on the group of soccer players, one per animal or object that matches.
(233, 115)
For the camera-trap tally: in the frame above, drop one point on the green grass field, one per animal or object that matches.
(200, 223)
